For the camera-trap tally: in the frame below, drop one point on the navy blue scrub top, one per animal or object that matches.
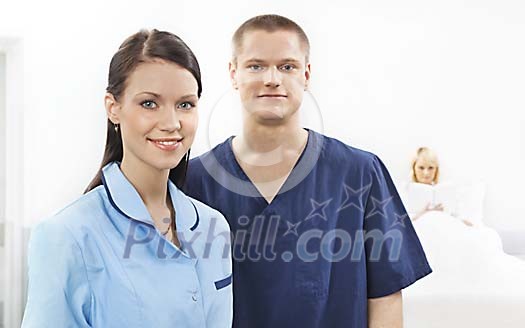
(335, 235)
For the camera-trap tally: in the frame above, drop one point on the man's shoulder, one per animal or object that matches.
(338, 152)
(205, 169)
(218, 152)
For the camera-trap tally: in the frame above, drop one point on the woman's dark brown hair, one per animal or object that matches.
(141, 47)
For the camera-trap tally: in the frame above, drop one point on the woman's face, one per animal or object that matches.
(157, 113)
(425, 170)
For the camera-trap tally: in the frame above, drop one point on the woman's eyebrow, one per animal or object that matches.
(189, 96)
(156, 95)
(149, 93)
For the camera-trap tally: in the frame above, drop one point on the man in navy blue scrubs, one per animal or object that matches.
(321, 237)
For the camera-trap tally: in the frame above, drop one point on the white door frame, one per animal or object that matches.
(15, 248)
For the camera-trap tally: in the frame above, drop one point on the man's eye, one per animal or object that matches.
(287, 67)
(149, 104)
(186, 105)
(255, 67)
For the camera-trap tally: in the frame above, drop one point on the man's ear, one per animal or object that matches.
(112, 108)
(307, 73)
(232, 67)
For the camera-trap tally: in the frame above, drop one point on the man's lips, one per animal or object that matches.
(272, 96)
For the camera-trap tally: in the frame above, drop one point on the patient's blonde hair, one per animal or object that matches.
(429, 155)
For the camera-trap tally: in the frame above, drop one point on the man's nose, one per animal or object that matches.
(272, 77)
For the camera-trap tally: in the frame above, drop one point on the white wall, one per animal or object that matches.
(2, 141)
(2, 185)
(389, 76)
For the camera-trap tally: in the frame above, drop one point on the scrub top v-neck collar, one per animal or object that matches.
(306, 160)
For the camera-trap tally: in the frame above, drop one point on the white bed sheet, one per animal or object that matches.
(474, 283)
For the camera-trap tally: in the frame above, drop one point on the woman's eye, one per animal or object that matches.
(148, 104)
(186, 105)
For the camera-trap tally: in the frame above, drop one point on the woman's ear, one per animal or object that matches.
(112, 108)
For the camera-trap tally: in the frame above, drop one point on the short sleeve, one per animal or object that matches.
(394, 256)
(58, 292)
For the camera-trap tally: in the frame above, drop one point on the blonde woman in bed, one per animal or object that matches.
(424, 193)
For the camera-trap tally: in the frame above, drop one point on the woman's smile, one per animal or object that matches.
(167, 144)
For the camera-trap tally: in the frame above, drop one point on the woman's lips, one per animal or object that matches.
(166, 144)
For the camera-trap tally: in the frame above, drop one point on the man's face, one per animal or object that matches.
(271, 75)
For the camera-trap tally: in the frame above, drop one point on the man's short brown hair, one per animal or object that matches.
(268, 23)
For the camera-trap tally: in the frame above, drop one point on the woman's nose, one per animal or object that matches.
(170, 121)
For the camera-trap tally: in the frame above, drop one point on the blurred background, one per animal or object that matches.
(387, 76)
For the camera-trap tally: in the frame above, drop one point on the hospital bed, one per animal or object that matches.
(474, 283)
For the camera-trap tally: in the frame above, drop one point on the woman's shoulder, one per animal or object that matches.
(76, 217)
(59, 248)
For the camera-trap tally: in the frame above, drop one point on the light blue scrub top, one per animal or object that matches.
(100, 262)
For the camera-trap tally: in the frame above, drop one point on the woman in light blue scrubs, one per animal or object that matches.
(134, 251)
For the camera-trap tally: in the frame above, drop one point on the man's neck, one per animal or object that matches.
(258, 139)
(267, 155)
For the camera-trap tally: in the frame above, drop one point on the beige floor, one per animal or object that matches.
(463, 313)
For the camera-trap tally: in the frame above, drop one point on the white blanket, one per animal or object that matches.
(474, 284)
